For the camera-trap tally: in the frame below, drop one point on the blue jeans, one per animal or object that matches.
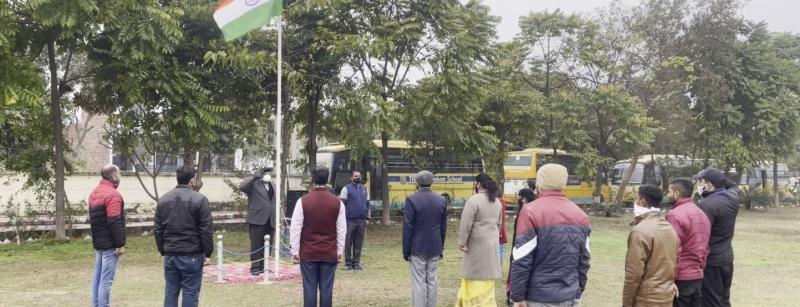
(501, 249)
(105, 266)
(318, 275)
(183, 273)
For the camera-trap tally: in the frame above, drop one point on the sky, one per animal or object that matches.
(780, 15)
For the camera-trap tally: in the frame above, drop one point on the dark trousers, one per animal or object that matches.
(354, 241)
(318, 275)
(257, 233)
(183, 274)
(717, 285)
(690, 293)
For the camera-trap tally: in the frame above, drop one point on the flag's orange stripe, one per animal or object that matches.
(222, 4)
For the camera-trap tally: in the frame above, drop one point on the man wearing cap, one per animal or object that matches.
(721, 205)
(551, 247)
(424, 229)
(260, 215)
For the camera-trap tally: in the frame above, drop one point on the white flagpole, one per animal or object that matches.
(278, 143)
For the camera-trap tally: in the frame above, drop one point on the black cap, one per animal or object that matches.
(713, 175)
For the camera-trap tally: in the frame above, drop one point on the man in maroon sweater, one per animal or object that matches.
(694, 230)
(317, 238)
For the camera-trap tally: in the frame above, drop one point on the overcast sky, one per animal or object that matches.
(780, 15)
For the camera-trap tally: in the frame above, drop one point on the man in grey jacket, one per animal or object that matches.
(260, 215)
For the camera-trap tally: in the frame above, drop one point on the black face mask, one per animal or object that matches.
(357, 180)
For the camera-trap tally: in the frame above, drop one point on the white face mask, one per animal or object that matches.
(638, 210)
(267, 178)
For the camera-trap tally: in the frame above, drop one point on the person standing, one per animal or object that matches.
(317, 237)
(260, 215)
(356, 202)
(184, 233)
(424, 231)
(478, 238)
(524, 196)
(107, 220)
(693, 230)
(551, 248)
(721, 205)
(652, 254)
(501, 249)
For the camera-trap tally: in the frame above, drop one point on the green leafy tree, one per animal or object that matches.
(616, 124)
(385, 39)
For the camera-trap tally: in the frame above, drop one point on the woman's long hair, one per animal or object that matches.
(488, 184)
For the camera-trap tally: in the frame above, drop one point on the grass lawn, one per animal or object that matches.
(58, 274)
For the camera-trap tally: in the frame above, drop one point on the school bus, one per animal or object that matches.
(453, 179)
(655, 169)
(521, 166)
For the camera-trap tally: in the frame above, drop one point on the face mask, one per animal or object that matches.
(701, 189)
(357, 180)
(638, 210)
(267, 178)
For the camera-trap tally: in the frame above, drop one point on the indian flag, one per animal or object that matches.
(237, 17)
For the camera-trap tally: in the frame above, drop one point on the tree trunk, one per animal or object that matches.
(286, 133)
(198, 182)
(748, 202)
(385, 178)
(626, 177)
(775, 182)
(311, 134)
(598, 183)
(58, 140)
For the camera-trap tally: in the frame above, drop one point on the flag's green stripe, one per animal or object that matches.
(252, 20)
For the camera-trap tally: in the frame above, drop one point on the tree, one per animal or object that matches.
(24, 124)
(550, 41)
(510, 107)
(63, 28)
(615, 124)
(385, 39)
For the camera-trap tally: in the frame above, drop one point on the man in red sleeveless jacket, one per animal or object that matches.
(317, 239)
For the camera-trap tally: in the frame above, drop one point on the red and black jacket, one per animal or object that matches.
(106, 216)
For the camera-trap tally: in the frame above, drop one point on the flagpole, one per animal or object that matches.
(278, 151)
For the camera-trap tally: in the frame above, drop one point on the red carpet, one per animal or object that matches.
(240, 273)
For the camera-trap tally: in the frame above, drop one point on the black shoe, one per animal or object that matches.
(348, 268)
(357, 267)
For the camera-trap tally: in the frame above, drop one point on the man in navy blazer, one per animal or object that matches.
(424, 229)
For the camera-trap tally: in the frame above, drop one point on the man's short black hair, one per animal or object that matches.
(185, 174)
(319, 175)
(683, 185)
(652, 194)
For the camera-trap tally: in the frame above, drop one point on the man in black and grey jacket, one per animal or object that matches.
(721, 205)
(184, 236)
(260, 215)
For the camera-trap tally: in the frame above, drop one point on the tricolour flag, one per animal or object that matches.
(237, 17)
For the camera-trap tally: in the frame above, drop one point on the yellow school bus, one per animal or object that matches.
(454, 179)
(521, 166)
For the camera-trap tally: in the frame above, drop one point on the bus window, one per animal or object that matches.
(518, 161)
(619, 171)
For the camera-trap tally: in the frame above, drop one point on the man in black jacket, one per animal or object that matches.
(721, 204)
(260, 215)
(184, 236)
(424, 230)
